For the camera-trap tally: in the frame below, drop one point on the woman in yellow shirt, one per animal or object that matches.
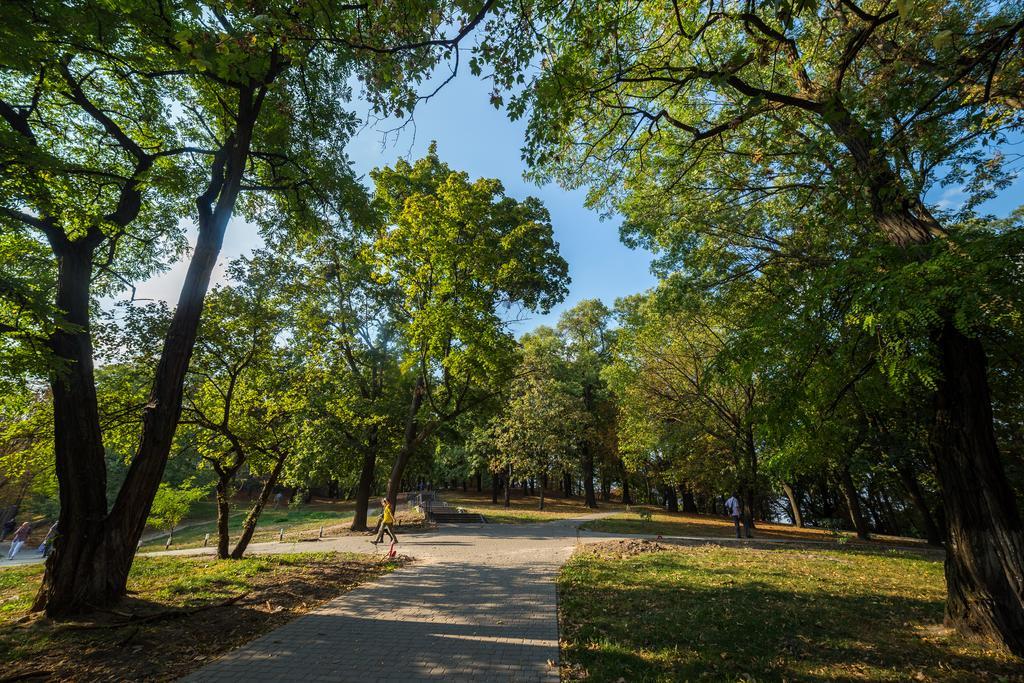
(387, 521)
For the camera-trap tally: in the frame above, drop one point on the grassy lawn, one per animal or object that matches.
(298, 523)
(175, 618)
(523, 509)
(708, 526)
(714, 613)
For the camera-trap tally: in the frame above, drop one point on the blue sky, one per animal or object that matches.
(474, 137)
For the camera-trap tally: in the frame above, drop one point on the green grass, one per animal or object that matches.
(301, 522)
(17, 588)
(266, 591)
(718, 613)
(169, 580)
(712, 526)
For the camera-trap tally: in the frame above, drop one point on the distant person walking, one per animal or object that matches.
(734, 508)
(278, 499)
(387, 521)
(19, 538)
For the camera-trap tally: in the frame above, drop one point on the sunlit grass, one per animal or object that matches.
(711, 526)
(300, 522)
(717, 613)
(523, 509)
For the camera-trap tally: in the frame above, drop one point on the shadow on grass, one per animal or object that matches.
(664, 618)
(180, 613)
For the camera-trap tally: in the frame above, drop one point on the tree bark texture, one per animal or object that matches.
(794, 505)
(223, 514)
(985, 551)
(365, 486)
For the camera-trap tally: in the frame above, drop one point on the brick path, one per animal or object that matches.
(479, 604)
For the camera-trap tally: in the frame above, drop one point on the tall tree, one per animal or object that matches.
(244, 97)
(696, 119)
(539, 429)
(240, 411)
(347, 328)
(461, 253)
(588, 343)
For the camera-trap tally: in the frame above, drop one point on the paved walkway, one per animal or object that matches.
(479, 604)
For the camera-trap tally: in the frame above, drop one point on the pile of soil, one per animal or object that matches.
(626, 548)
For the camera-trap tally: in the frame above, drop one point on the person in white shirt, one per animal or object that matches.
(734, 508)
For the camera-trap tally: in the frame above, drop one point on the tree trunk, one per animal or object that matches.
(541, 507)
(365, 486)
(82, 569)
(689, 504)
(411, 438)
(853, 504)
(606, 489)
(749, 506)
(479, 482)
(985, 550)
(249, 526)
(671, 500)
(566, 485)
(750, 498)
(985, 541)
(794, 505)
(588, 477)
(223, 513)
(931, 529)
(508, 487)
(626, 498)
(588, 452)
(94, 551)
(495, 481)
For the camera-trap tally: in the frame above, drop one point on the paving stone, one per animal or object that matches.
(479, 603)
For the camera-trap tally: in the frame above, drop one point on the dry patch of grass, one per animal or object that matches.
(637, 611)
(181, 612)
